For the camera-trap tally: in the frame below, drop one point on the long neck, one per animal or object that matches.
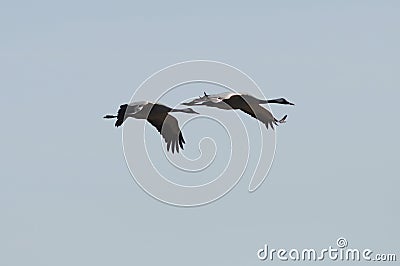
(279, 101)
(273, 101)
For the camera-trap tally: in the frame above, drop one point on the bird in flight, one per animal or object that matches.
(157, 115)
(244, 102)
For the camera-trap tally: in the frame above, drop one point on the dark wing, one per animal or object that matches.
(121, 115)
(252, 108)
(261, 114)
(168, 127)
(124, 111)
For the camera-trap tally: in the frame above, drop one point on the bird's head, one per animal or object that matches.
(280, 101)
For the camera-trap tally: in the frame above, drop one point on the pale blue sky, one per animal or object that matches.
(66, 195)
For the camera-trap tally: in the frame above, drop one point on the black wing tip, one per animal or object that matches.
(283, 120)
(119, 122)
(175, 144)
(271, 123)
(181, 139)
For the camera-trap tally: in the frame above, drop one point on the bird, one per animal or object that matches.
(244, 102)
(157, 115)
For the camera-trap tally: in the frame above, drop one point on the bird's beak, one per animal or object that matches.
(291, 104)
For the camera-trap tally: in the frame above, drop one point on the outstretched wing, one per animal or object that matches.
(251, 107)
(261, 114)
(121, 115)
(127, 110)
(168, 127)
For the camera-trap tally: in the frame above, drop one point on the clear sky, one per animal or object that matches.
(66, 195)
